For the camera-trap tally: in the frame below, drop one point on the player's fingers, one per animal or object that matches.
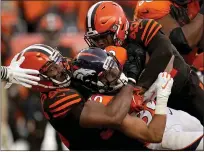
(161, 74)
(8, 85)
(30, 71)
(29, 77)
(23, 80)
(168, 76)
(22, 58)
(15, 58)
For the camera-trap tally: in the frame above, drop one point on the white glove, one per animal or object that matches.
(163, 86)
(19, 75)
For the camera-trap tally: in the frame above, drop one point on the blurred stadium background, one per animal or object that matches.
(60, 24)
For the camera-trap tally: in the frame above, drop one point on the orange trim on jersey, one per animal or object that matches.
(201, 85)
(145, 30)
(155, 32)
(60, 114)
(63, 90)
(66, 105)
(153, 26)
(62, 100)
(191, 143)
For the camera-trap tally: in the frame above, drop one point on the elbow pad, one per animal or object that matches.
(178, 39)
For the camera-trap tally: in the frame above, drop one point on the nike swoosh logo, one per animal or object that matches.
(164, 86)
(145, 12)
(170, 112)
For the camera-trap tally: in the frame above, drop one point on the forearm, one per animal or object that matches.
(156, 128)
(136, 128)
(4, 73)
(193, 30)
(160, 49)
(120, 105)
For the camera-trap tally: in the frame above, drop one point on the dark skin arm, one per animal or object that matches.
(136, 128)
(192, 31)
(201, 43)
(95, 114)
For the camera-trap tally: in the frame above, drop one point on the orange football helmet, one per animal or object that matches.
(106, 17)
(40, 57)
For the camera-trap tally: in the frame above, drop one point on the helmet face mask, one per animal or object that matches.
(56, 72)
(103, 17)
(100, 40)
(53, 67)
(106, 72)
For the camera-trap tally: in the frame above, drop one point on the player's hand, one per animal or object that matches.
(163, 86)
(21, 76)
(180, 14)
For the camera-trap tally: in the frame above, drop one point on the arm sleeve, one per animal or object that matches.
(160, 51)
(146, 31)
(4, 73)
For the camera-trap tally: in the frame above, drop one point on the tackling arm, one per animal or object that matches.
(95, 114)
(136, 128)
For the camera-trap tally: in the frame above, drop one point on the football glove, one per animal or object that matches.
(19, 75)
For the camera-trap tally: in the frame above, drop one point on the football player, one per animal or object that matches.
(182, 132)
(64, 102)
(107, 25)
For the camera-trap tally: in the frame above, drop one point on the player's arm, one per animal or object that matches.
(68, 104)
(137, 128)
(186, 37)
(160, 49)
(95, 114)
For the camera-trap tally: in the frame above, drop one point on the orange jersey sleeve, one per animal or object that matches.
(104, 99)
(152, 9)
(143, 31)
(59, 102)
